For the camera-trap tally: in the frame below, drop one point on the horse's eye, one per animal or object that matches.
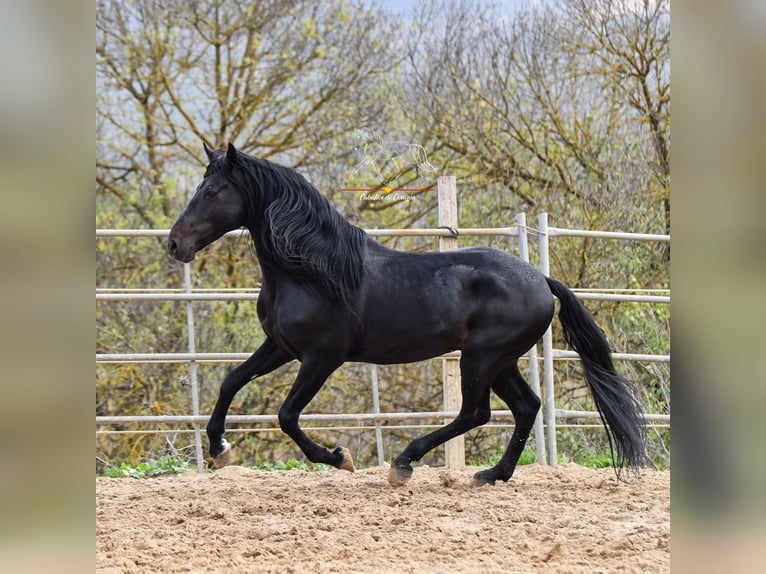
(211, 191)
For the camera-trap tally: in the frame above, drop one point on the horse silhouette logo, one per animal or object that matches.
(387, 160)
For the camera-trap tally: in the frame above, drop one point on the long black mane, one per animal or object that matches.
(296, 230)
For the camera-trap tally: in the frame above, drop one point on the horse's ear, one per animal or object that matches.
(210, 153)
(231, 154)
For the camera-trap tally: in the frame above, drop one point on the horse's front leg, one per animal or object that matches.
(311, 376)
(268, 357)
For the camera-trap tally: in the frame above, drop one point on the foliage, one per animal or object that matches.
(588, 458)
(154, 467)
(527, 457)
(582, 457)
(291, 464)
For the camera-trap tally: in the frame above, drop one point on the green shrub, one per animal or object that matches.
(527, 457)
(167, 464)
(291, 464)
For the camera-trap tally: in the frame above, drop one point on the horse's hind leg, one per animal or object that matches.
(524, 403)
(475, 411)
(267, 358)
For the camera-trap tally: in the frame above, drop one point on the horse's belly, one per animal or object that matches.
(393, 352)
(406, 335)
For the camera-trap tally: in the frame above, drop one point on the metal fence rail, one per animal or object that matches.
(237, 357)
(545, 425)
(337, 417)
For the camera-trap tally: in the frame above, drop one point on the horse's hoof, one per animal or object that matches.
(348, 462)
(225, 457)
(477, 482)
(399, 475)
(483, 478)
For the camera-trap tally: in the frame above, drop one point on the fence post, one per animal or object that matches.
(193, 371)
(534, 369)
(376, 410)
(454, 454)
(550, 396)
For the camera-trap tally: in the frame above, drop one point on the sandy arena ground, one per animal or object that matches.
(566, 519)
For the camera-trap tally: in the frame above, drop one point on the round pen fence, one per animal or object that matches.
(540, 365)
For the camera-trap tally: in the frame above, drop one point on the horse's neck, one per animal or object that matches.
(256, 226)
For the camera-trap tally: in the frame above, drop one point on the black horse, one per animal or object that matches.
(331, 294)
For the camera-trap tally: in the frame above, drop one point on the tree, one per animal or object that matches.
(559, 108)
(283, 80)
(630, 45)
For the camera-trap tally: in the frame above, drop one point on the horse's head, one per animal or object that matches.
(364, 137)
(217, 207)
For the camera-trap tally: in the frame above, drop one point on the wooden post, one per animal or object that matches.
(455, 448)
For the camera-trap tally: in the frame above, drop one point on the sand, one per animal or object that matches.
(567, 519)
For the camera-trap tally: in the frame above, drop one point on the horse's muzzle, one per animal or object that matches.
(177, 251)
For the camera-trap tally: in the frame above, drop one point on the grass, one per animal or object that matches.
(589, 459)
(291, 464)
(167, 464)
(527, 457)
(172, 464)
(583, 458)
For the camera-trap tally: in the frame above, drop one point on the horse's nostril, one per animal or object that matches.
(172, 247)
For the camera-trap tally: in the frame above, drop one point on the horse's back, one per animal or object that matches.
(417, 305)
(489, 271)
(469, 272)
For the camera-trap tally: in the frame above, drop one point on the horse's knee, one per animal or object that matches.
(531, 405)
(468, 419)
(527, 409)
(232, 383)
(477, 417)
(288, 419)
(228, 387)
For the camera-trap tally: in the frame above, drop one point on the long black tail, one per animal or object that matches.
(616, 398)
